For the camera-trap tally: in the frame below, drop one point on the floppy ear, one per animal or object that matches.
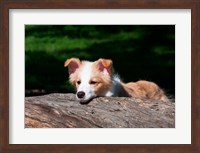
(105, 66)
(73, 64)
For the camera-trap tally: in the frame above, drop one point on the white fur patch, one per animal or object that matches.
(115, 86)
(109, 94)
(85, 76)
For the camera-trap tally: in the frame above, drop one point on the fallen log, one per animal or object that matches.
(63, 111)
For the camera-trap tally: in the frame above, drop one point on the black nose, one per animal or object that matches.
(80, 94)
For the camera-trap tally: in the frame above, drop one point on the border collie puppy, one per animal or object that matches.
(96, 79)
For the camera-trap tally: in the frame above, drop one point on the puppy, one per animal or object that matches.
(96, 79)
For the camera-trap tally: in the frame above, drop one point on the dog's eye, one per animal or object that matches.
(78, 82)
(93, 82)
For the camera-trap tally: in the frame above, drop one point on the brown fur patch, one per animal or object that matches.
(104, 81)
(145, 89)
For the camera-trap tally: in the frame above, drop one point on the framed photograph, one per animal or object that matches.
(152, 40)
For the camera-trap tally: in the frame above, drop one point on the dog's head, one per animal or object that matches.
(91, 79)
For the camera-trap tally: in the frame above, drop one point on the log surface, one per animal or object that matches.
(63, 111)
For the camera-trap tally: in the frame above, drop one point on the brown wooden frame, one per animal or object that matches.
(5, 5)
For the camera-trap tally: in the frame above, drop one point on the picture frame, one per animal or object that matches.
(194, 5)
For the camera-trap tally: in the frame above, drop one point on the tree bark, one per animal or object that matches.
(63, 111)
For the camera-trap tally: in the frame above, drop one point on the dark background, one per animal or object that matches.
(138, 52)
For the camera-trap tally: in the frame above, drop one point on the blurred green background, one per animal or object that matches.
(138, 52)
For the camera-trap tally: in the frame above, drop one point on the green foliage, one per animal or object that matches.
(138, 52)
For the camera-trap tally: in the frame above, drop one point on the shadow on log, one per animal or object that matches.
(63, 111)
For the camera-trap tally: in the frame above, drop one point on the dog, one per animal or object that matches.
(96, 79)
